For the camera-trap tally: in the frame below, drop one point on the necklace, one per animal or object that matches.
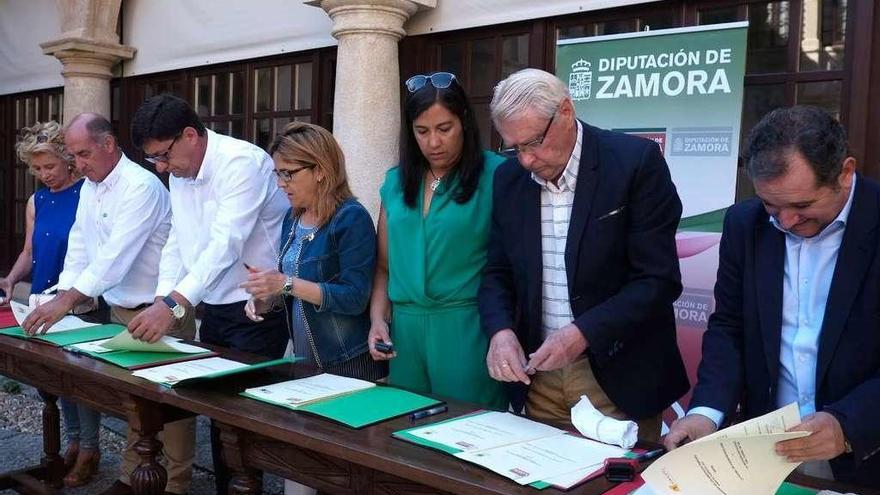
(436, 182)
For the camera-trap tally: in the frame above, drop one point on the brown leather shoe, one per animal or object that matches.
(117, 488)
(85, 467)
(70, 455)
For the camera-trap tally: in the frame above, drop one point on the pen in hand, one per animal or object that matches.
(424, 413)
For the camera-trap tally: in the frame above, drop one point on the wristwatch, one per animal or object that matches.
(287, 288)
(178, 310)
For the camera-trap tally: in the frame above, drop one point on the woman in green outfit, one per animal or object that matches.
(433, 232)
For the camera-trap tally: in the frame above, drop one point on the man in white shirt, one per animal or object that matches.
(113, 251)
(121, 224)
(228, 212)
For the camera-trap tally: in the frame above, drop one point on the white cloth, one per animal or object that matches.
(116, 240)
(556, 202)
(228, 215)
(593, 424)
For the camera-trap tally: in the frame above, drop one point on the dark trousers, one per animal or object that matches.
(227, 325)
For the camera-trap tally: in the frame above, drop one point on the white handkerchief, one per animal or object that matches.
(593, 424)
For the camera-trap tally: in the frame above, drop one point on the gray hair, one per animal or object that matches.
(527, 90)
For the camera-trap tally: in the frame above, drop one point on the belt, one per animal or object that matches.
(136, 308)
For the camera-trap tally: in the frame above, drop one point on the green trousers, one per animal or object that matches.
(443, 352)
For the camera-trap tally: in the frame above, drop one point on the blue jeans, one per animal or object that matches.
(80, 424)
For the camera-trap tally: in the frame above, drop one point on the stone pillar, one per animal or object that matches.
(88, 49)
(366, 108)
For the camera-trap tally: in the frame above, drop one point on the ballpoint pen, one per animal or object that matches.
(424, 413)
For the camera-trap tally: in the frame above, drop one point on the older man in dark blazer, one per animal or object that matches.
(582, 267)
(798, 301)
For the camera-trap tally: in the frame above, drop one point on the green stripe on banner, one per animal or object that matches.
(712, 221)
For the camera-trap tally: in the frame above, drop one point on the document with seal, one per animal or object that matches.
(538, 460)
(526, 451)
(739, 460)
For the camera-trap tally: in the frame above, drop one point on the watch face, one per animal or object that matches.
(178, 311)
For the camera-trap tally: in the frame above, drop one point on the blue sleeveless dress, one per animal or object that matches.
(54, 216)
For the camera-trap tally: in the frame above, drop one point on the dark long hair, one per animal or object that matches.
(413, 163)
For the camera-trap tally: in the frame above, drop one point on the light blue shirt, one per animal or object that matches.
(809, 268)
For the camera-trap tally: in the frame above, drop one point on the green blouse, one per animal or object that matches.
(436, 260)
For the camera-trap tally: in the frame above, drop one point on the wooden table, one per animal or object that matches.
(109, 389)
(256, 436)
(336, 459)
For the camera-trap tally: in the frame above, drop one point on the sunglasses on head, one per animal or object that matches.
(439, 80)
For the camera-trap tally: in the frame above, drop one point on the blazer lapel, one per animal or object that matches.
(769, 270)
(584, 192)
(855, 255)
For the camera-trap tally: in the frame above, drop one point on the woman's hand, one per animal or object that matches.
(264, 284)
(379, 332)
(6, 286)
(253, 308)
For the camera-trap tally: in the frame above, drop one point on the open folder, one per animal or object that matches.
(68, 330)
(352, 402)
(518, 448)
(124, 351)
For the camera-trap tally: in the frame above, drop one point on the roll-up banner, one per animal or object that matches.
(683, 89)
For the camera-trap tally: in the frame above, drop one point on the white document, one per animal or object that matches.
(485, 431)
(170, 374)
(69, 322)
(96, 346)
(773, 422)
(544, 458)
(123, 341)
(740, 460)
(568, 480)
(295, 393)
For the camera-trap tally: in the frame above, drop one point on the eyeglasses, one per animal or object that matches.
(532, 145)
(439, 80)
(163, 156)
(287, 175)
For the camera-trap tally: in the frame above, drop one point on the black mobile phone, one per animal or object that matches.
(384, 347)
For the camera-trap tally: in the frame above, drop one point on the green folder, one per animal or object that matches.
(365, 407)
(68, 337)
(790, 489)
(134, 360)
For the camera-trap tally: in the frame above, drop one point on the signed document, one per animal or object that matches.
(484, 431)
(739, 460)
(296, 393)
(69, 322)
(518, 448)
(538, 460)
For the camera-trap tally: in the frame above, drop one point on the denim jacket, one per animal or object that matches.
(340, 258)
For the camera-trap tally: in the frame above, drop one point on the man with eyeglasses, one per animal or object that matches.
(582, 267)
(227, 213)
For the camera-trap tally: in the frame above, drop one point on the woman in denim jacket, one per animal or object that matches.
(326, 259)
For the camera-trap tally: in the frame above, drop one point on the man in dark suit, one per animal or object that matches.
(797, 314)
(582, 267)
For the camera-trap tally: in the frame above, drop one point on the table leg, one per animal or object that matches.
(150, 477)
(51, 461)
(244, 480)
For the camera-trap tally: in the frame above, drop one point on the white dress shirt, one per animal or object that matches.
(116, 240)
(228, 215)
(556, 203)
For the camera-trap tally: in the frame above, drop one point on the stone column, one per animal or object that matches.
(366, 108)
(88, 49)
